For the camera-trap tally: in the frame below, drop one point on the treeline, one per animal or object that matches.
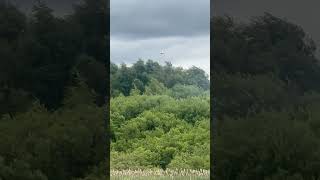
(53, 84)
(160, 117)
(266, 99)
(53, 81)
(124, 78)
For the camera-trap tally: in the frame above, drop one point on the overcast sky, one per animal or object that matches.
(145, 28)
(180, 28)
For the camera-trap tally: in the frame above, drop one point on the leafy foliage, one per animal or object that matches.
(266, 100)
(161, 126)
(151, 77)
(51, 120)
(56, 145)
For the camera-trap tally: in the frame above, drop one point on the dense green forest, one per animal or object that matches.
(266, 100)
(53, 84)
(54, 81)
(159, 117)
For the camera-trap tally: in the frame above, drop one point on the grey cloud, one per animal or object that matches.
(142, 19)
(141, 29)
(180, 51)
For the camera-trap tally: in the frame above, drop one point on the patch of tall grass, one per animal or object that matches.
(159, 174)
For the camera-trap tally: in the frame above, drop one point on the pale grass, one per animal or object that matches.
(159, 174)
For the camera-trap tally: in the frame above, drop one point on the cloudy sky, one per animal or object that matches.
(145, 28)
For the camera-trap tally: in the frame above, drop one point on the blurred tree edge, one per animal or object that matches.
(53, 75)
(266, 87)
(53, 82)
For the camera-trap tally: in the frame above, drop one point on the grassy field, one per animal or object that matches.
(160, 178)
(158, 174)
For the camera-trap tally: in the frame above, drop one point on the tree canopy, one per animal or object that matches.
(265, 76)
(159, 122)
(52, 87)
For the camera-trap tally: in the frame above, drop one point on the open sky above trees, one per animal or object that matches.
(143, 29)
(182, 32)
